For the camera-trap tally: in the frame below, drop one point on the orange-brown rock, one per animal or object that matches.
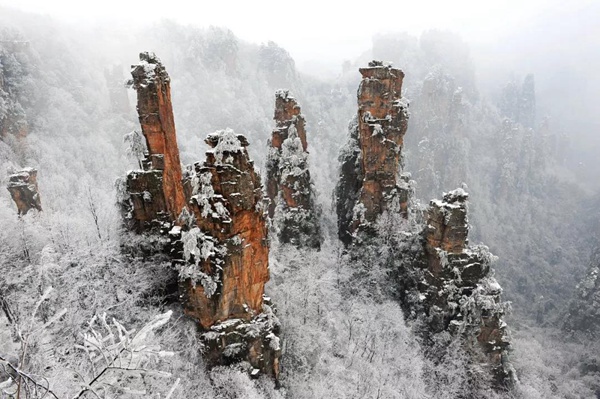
(23, 189)
(370, 179)
(216, 224)
(229, 270)
(291, 207)
(459, 294)
(152, 83)
(382, 123)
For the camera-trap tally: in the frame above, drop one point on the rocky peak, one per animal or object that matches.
(227, 203)
(216, 228)
(289, 186)
(23, 189)
(156, 193)
(440, 280)
(225, 261)
(459, 293)
(370, 180)
(287, 113)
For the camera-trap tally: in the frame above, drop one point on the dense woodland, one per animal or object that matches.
(66, 275)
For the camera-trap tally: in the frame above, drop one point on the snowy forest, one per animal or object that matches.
(187, 214)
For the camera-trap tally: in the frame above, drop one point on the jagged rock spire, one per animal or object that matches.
(459, 294)
(226, 257)
(289, 186)
(370, 178)
(229, 272)
(216, 220)
(162, 165)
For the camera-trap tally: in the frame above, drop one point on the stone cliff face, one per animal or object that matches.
(162, 165)
(289, 187)
(218, 232)
(23, 189)
(447, 287)
(370, 180)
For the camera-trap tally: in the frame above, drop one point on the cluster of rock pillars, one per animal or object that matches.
(217, 218)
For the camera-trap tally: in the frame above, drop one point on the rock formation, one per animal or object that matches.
(457, 290)
(370, 180)
(216, 223)
(440, 280)
(156, 193)
(229, 265)
(448, 287)
(291, 206)
(23, 189)
(225, 255)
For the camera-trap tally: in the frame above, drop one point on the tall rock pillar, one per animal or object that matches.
(226, 257)
(218, 232)
(289, 186)
(370, 180)
(459, 294)
(156, 193)
(229, 272)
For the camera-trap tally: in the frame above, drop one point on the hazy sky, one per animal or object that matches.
(313, 29)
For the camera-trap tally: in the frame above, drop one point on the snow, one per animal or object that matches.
(202, 186)
(274, 342)
(228, 142)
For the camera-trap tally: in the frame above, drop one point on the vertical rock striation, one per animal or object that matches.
(289, 186)
(156, 193)
(370, 180)
(23, 189)
(152, 83)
